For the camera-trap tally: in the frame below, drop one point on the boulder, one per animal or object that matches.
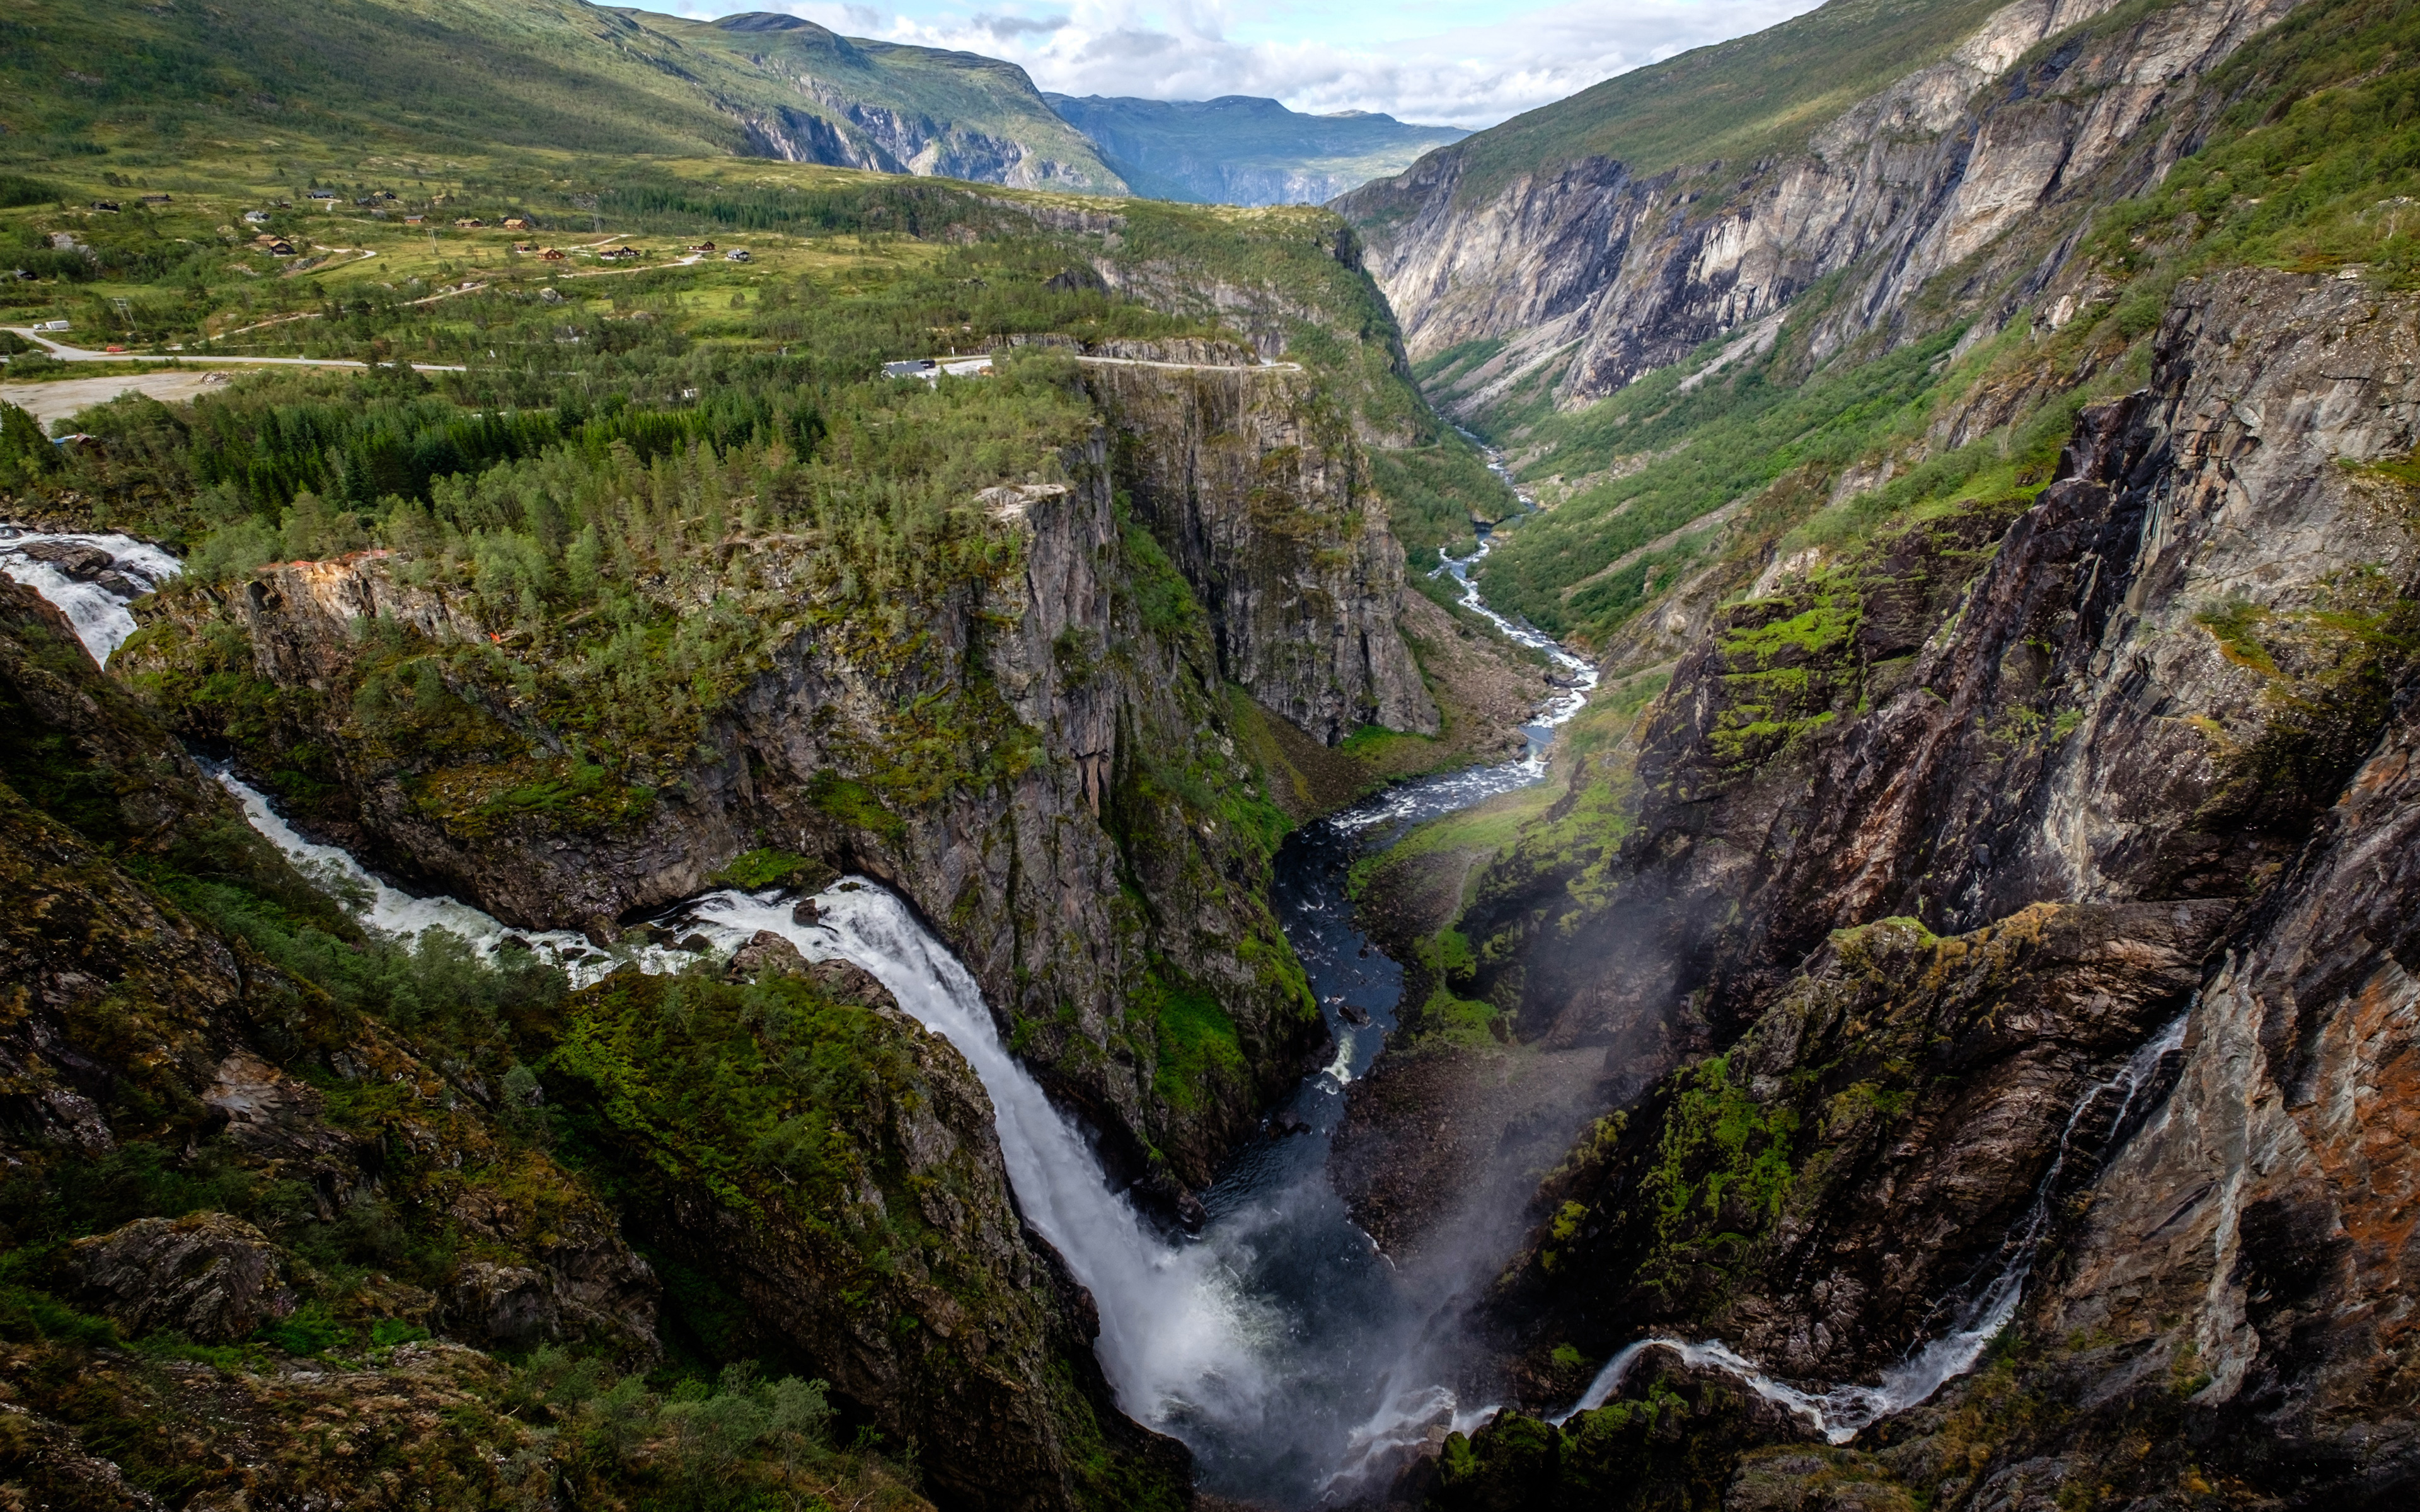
(78, 560)
(212, 1277)
(503, 1303)
(768, 955)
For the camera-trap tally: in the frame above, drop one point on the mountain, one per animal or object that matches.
(466, 76)
(1238, 149)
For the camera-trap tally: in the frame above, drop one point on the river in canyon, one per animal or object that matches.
(1277, 1342)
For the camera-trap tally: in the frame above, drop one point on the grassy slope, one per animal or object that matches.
(461, 76)
(1172, 149)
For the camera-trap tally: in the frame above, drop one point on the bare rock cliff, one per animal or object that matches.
(1257, 487)
(1598, 275)
(1932, 843)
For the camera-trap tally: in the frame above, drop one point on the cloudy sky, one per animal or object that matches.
(1456, 62)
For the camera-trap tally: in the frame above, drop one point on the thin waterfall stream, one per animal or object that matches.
(1841, 1410)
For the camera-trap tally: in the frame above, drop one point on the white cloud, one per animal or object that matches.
(1474, 74)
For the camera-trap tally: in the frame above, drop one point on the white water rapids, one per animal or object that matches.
(1838, 1414)
(95, 600)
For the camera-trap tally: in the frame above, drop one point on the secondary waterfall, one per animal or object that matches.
(1840, 1411)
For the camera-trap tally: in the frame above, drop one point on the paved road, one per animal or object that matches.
(65, 353)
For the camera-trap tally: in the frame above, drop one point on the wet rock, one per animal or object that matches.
(77, 559)
(1352, 1013)
(805, 912)
(1286, 1122)
(767, 955)
(694, 944)
(120, 584)
(209, 1276)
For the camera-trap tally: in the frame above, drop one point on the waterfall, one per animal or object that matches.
(1841, 1412)
(90, 577)
(1177, 1342)
(1280, 1344)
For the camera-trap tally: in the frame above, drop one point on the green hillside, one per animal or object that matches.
(465, 76)
(1242, 150)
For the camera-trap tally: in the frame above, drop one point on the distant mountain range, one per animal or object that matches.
(463, 77)
(1239, 150)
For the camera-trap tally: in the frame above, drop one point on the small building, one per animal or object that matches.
(620, 254)
(702, 246)
(550, 254)
(469, 223)
(414, 220)
(915, 368)
(515, 223)
(109, 205)
(321, 194)
(737, 254)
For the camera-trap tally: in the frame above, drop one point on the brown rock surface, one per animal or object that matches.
(209, 1276)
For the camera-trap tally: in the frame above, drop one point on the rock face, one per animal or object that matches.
(1259, 491)
(2092, 731)
(1099, 719)
(2149, 755)
(1596, 275)
(903, 1270)
(209, 1276)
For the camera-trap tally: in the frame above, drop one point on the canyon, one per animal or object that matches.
(1706, 806)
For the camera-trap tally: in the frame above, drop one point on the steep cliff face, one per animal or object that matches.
(2147, 755)
(1253, 480)
(893, 1258)
(206, 1150)
(1047, 733)
(2091, 723)
(1586, 275)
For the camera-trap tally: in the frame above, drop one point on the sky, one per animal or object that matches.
(1444, 62)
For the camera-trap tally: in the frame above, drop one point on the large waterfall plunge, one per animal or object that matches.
(1279, 1343)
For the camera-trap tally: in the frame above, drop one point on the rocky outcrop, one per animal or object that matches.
(1256, 486)
(209, 1276)
(2149, 756)
(894, 1257)
(1988, 159)
(1056, 730)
